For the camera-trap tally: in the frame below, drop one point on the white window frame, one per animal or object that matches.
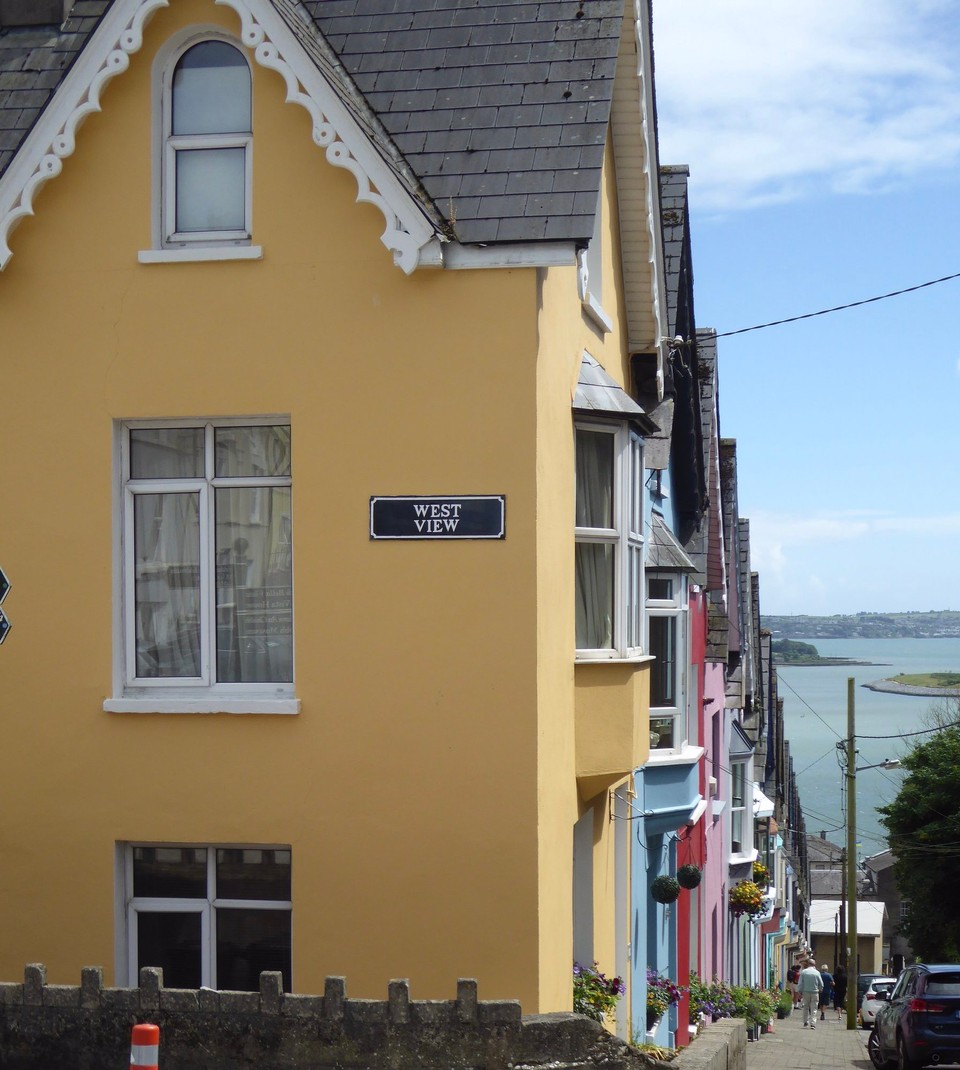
(590, 275)
(127, 943)
(202, 694)
(741, 769)
(675, 609)
(626, 536)
(168, 243)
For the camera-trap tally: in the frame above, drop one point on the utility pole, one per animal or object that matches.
(851, 775)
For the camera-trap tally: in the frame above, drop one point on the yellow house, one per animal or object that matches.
(322, 488)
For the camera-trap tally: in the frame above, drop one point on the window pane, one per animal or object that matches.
(595, 572)
(172, 942)
(166, 537)
(595, 472)
(248, 942)
(252, 451)
(172, 872)
(661, 732)
(635, 596)
(254, 585)
(663, 671)
(166, 452)
(252, 873)
(210, 190)
(211, 91)
(660, 587)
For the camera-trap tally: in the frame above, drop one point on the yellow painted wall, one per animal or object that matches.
(615, 700)
(408, 785)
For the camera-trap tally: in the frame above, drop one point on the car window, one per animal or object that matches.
(943, 984)
(901, 984)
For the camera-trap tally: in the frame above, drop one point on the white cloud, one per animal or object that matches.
(835, 562)
(769, 101)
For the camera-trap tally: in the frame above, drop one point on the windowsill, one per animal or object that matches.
(594, 312)
(234, 704)
(206, 252)
(636, 659)
(687, 756)
(741, 858)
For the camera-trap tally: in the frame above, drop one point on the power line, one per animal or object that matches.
(782, 680)
(840, 308)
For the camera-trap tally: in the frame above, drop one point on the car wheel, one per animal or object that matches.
(904, 1062)
(873, 1050)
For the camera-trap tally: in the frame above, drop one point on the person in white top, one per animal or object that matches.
(810, 985)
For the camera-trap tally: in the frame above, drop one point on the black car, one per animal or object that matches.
(919, 1024)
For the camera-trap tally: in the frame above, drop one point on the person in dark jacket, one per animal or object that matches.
(839, 990)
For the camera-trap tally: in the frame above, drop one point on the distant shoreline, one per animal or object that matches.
(894, 688)
(808, 662)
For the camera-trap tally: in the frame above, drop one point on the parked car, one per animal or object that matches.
(864, 980)
(919, 1025)
(878, 991)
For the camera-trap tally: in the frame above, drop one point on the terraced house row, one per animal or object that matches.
(379, 601)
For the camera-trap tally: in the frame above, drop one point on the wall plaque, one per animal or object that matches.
(466, 516)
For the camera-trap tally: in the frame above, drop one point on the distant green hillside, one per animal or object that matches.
(934, 624)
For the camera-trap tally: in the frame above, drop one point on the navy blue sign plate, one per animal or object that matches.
(467, 516)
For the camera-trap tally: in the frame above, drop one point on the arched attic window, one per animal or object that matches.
(207, 147)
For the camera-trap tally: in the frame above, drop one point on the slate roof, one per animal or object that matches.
(497, 108)
(33, 62)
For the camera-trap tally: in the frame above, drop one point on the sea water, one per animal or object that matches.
(815, 720)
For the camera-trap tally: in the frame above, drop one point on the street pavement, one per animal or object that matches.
(831, 1046)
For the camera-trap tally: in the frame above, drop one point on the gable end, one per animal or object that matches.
(52, 138)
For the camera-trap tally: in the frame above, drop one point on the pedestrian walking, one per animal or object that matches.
(810, 986)
(792, 974)
(826, 993)
(839, 990)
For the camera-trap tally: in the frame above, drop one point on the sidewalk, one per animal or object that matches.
(830, 1046)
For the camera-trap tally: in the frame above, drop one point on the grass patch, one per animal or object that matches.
(929, 679)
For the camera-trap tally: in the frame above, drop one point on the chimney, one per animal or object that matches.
(34, 12)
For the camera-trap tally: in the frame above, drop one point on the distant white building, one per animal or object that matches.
(825, 929)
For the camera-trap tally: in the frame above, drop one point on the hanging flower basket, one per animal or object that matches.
(689, 876)
(746, 897)
(665, 889)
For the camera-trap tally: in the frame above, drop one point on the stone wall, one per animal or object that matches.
(87, 1027)
(720, 1046)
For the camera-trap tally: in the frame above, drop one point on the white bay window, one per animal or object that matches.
(609, 540)
(666, 627)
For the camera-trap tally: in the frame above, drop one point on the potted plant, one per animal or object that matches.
(594, 994)
(662, 993)
(689, 876)
(761, 875)
(746, 897)
(784, 1005)
(665, 889)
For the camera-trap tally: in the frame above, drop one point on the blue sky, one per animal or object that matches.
(823, 141)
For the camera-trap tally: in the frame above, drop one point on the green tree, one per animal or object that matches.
(924, 826)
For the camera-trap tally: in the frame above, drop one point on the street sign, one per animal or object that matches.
(453, 516)
(4, 586)
(5, 626)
